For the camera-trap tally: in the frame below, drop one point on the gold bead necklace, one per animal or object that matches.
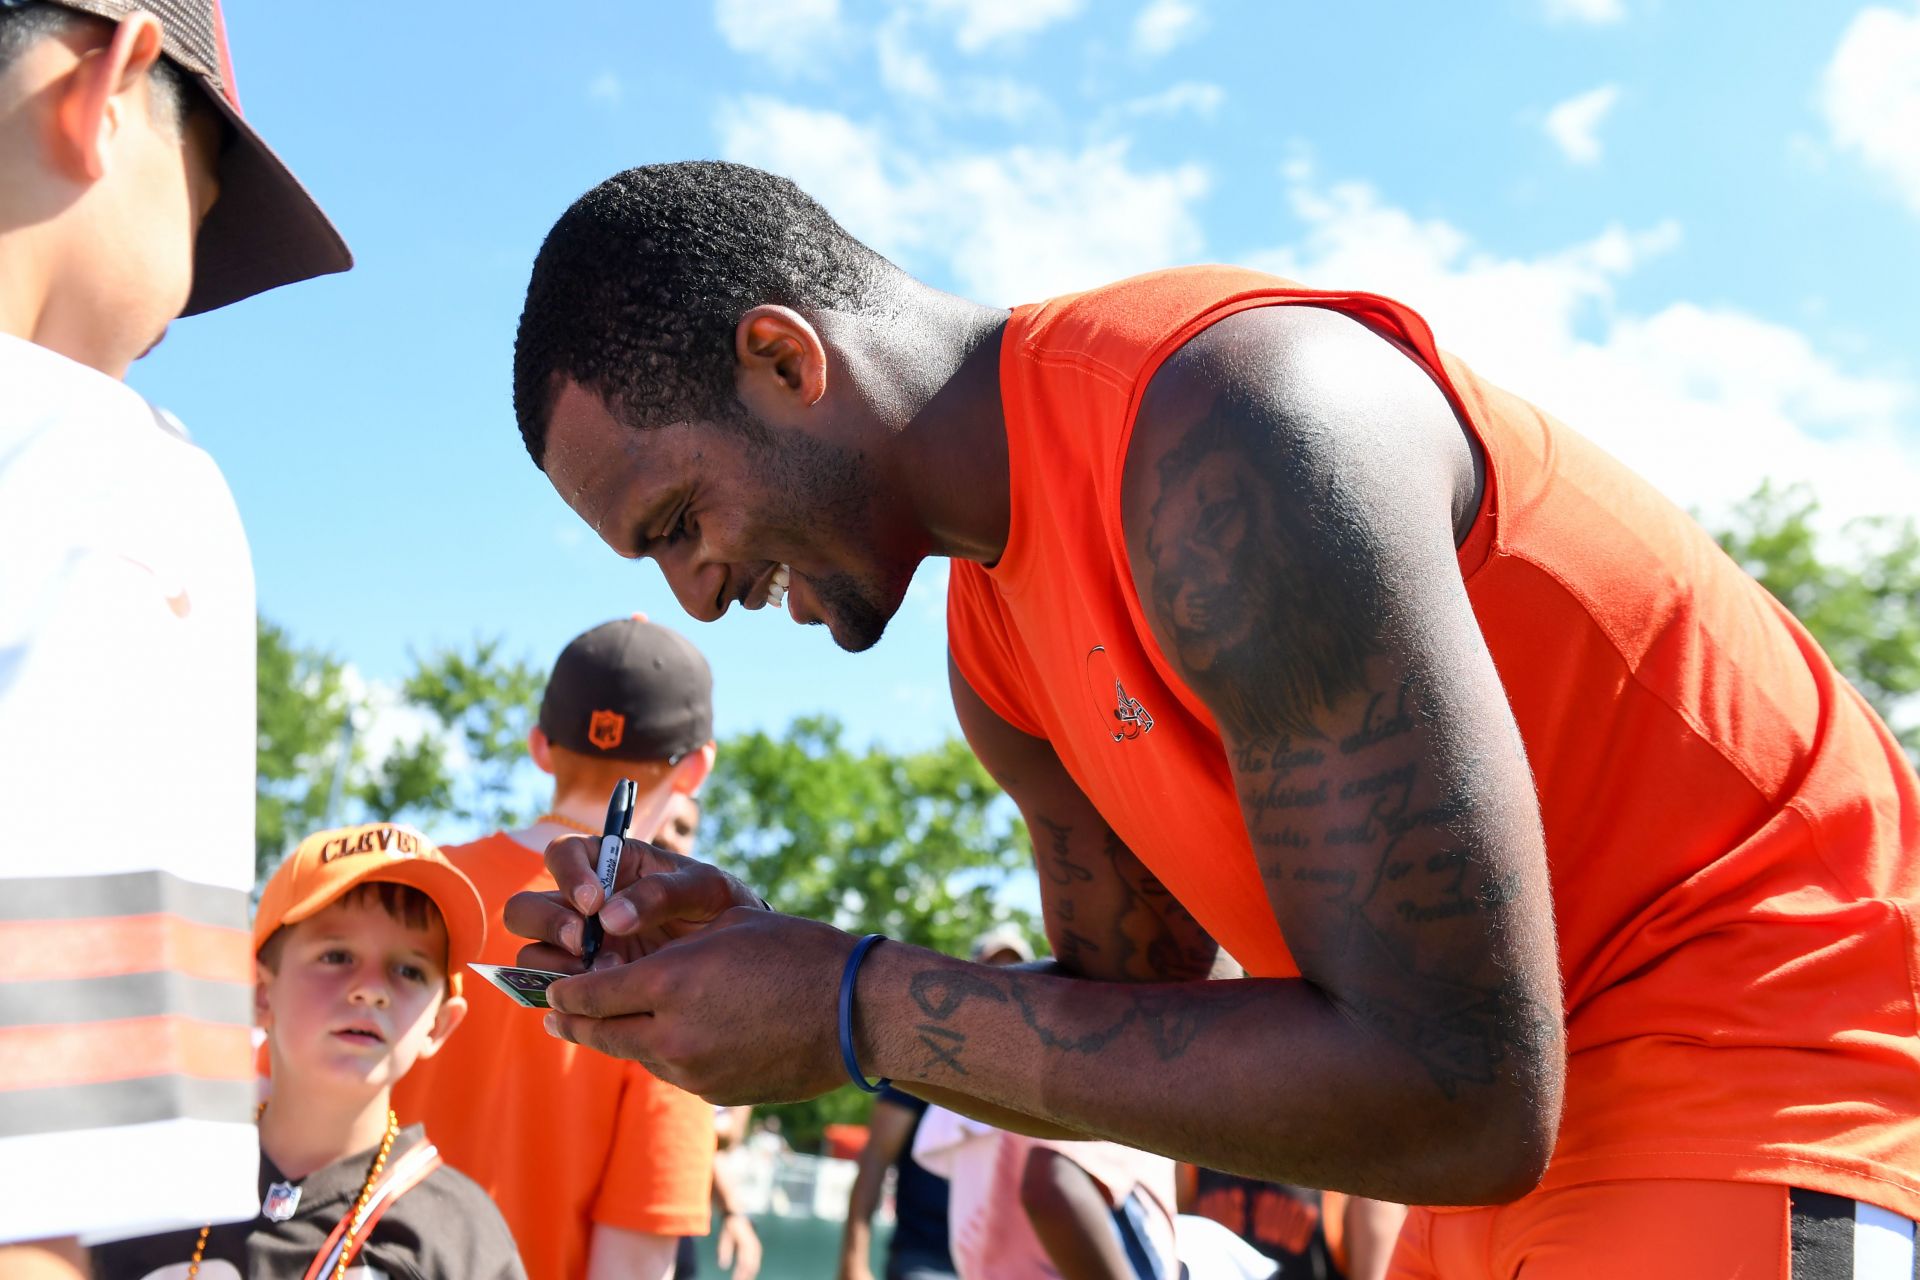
(562, 820)
(353, 1216)
(366, 1192)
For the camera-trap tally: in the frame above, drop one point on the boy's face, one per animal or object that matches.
(358, 997)
(680, 827)
(169, 188)
(96, 152)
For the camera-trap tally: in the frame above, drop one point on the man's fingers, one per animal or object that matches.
(692, 894)
(617, 992)
(651, 859)
(538, 955)
(629, 1038)
(573, 861)
(545, 917)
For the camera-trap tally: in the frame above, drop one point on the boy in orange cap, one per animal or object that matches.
(360, 941)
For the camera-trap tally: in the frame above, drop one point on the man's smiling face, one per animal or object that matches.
(734, 513)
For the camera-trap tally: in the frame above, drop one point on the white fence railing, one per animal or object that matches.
(789, 1184)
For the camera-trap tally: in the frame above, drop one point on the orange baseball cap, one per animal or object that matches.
(328, 863)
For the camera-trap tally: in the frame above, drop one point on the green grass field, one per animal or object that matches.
(797, 1249)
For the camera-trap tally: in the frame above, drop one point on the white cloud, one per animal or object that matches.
(1574, 125)
(1002, 98)
(1008, 226)
(606, 89)
(1164, 24)
(1593, 12)
(979, 23)
(790, 36)
(1704, 401)
(904, 70)
(1189, 95)
(908, 74)
(1870, 95)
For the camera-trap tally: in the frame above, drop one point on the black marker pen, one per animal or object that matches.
(619, 818)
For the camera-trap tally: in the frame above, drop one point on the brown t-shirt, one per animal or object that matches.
(444, 1228)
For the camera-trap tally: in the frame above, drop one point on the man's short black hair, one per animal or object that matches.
(23, 24)
(638, 288)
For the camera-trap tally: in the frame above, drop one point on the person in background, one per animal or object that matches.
(1003, 944)
(1025, 1208)
(1307, 1234)
(918, 1248)
(361, 940)
(737, 1248)
(132, 191)
(599, 1167)
(1310, 1235)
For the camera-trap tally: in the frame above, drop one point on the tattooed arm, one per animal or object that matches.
(1107, 916)
(1293, 492)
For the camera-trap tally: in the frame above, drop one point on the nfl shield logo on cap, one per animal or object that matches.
(606, 728)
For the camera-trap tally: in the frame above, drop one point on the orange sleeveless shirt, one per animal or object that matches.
(1733, 836)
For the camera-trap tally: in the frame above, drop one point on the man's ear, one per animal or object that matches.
(781, 364)
(540, 747)
(106, 85)
(453, 1011)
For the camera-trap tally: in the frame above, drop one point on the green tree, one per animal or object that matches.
(303, 705)
(470, 766)
(485, 702)
(915, 846)
(1859, 593)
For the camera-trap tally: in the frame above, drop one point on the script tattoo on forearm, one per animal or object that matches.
(1053, 847)
(1172, 1018)
(1117, 922)
(1263, 579)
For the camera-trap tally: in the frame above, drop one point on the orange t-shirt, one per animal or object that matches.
(1733, 837)
(561, 1137)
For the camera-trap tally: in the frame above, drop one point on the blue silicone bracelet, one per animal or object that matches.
(847, 976)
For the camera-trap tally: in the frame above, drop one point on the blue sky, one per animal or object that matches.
(1685, 227)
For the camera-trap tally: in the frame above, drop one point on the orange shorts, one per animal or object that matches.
(1660, 1229)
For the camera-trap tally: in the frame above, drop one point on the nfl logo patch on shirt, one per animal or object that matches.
(282, 1199)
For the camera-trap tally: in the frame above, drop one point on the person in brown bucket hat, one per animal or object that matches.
(132, 191)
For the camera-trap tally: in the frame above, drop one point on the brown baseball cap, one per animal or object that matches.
(264, 230)
(629, 690)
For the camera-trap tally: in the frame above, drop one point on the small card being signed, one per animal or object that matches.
(523, 986)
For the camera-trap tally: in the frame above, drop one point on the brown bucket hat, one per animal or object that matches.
(264, 230)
